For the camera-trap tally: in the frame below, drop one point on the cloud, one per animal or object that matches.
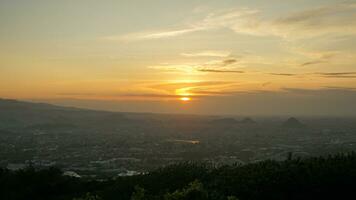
(340, 88)
(214, 66)
(170, 86)
(228, 62)
(337, 74)
(157, 90)
(320, 91)
(341, 76)
(317, 56)
(76, 94)
(221, 19)
(221, 54)
(220, 71)
(185, 68)
(283, 74)
(154, 34)
(148, 96)
(320, 74)
(335, 18)
(309, 17)
(266, 84)
(294, 102)
(195, 88)
(331, 19)
(312, 62)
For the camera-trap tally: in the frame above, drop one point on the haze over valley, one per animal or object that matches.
(177, 99)
(103, 144)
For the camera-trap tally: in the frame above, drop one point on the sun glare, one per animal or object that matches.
(185, 99)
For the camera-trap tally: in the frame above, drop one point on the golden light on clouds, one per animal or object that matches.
(226, 50)
(185, 91)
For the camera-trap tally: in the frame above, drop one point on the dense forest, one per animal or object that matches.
(331, 177)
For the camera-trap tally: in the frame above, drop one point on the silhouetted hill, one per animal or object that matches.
(293, 123)
(247, 120)
(20, 115)
(224, 121)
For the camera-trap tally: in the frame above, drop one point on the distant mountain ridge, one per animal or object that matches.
(232, 121)
(293, 123)
(20, 114)
(248, 120)
(224, 121)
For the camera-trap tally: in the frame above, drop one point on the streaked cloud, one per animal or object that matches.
(228, 62)
(335, 18)
(220, 19)
(220, 71)
(185, 68)
(288, 101)
(196, 88)
(340, 88)
(221, 54)
(320, 91)
(319, 74)
(213, 66)
(312, 62)
(337, 74)
(331, 19)
(283, 74)
(155, 34)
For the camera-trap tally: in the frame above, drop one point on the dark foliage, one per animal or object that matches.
(333, 177)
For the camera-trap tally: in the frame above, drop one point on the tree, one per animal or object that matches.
(138, 194)
(89, 196)
(194, 190)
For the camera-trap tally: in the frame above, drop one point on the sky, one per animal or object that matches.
(241, 57)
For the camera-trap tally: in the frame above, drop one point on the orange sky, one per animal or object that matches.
(140, 53)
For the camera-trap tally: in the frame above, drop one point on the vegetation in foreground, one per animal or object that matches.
(332, 177)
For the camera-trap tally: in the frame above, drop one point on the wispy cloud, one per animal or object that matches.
(331, 19)
(155, 34)
(196, 88)
(319, 74)
(228, 62)
(158, 91)
(266, 84)
(220, 19)
(283, 74)
(340, 88)
(220, 71)
(337, 74)
(214, 66)
(221, 54)
(185, 68)
(320, 91)
(313, 62)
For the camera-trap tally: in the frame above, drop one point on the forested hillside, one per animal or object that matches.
(332, 177)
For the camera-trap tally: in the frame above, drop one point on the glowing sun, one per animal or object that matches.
(185, 99)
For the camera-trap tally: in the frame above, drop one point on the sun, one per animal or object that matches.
(185, 99)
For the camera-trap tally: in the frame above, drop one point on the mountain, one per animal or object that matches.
(224, 121)
(27, 115)
(293, 123)
(247, 120)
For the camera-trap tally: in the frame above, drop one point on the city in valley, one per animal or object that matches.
(99, 144)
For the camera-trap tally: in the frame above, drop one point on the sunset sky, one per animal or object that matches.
(244, 57)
